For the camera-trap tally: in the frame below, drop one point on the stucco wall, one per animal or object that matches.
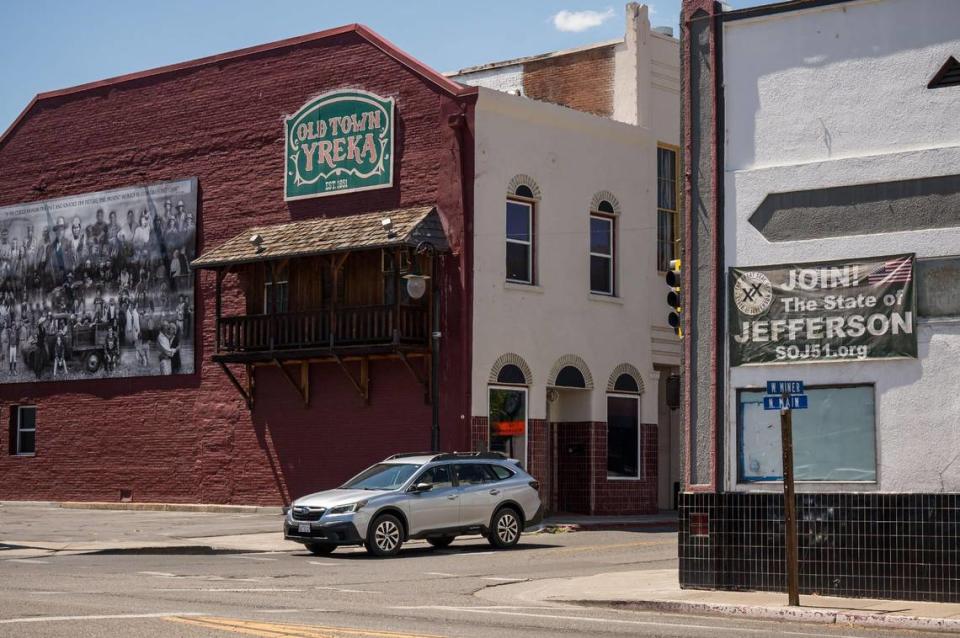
(837, 96)
(571, 156)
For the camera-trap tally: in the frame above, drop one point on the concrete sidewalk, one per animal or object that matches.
(43, 528)
(659, 590)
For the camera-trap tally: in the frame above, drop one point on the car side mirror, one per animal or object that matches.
(420, 488)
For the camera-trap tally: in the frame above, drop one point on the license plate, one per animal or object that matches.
(304, 528)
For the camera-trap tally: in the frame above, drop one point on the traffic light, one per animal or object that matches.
(674, 297)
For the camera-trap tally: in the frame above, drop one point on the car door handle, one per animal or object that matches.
(452, 497)
(494, 491)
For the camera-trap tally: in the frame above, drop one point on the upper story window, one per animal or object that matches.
(602, 246)
(523, 196)
(668, 207)
(282, 299)
(521, 224)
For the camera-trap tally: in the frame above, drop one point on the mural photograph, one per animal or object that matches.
(98, 285)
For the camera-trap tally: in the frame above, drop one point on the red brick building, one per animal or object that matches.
(191, 438)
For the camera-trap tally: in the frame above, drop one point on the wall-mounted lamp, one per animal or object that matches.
(387, 224)
(257, 240)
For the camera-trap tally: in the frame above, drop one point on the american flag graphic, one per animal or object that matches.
(898, 270)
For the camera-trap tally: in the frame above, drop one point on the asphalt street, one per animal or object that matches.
(422, 592)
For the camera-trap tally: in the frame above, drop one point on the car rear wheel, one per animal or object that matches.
(385, 535)
(321, 549)
(440, 541)
(504, 528)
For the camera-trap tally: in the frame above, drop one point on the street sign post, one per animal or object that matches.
(788, 396)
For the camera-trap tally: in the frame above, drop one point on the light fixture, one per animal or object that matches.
(257, 240)
(387, 224)
(417, 281)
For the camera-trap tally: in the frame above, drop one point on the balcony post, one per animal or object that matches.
(272, 305)
(336, 263)
(396, 295)
(219, 305)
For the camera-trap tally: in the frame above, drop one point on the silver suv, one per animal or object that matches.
(424, 495)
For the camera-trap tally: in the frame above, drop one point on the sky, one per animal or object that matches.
(53, 44)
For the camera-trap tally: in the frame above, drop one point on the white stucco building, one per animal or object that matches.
(580, 144)
(838, 144)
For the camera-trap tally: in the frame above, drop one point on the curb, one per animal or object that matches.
(816, 615)
(168, 507)
(640, 526)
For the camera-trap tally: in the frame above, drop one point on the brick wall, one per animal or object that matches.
(570, 461)
(582, 80)
(190, 438)
(626, 496)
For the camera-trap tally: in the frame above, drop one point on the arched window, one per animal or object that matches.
(626, 383)
(624, 444)
(511, 374)
(521, 225)
(603, 227)
(570, 377)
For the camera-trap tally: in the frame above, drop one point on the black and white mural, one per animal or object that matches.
(99, 285)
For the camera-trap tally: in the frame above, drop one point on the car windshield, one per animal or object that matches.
(382, 476)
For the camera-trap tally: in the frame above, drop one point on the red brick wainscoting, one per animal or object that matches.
(570, 461)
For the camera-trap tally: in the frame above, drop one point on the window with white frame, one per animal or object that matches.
(282, 299)
(623, 436)
(507, 410)
(521, 224)
(602, 249)
(834, 439)
(668, 206)
(23, 430)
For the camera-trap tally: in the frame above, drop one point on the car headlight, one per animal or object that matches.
(344, 509)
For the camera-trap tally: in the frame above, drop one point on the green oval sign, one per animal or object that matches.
(340, 142)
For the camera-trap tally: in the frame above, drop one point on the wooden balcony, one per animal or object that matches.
(354, 328)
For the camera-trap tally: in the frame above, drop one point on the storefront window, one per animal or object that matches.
(623, 437)
(833, 439)
(508, 422)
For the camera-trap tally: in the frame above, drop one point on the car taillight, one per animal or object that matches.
(535, 485)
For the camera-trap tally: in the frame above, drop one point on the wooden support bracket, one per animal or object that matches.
(305, 382)
(416, 375)
(362, 386)
(245, 393)
(302, 386)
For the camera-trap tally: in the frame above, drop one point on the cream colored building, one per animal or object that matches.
(570, 240)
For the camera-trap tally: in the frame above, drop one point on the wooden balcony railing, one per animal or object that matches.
(349, 326)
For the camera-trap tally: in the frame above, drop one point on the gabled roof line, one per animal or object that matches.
(434, 77)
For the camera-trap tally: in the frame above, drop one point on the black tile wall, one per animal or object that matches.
(899, 546)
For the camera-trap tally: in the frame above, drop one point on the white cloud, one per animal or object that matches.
(577, 21)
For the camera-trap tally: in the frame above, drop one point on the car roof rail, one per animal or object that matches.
(451, 456)
(404, 455)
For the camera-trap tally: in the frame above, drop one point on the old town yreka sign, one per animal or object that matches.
(339, 142)
(829, 311)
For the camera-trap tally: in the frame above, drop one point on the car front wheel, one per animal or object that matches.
(504, 529)
(385, 535)
(321, 549)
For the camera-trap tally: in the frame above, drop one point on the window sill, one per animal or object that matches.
(626, 478)
(513, 285)
(24, 456)
(593, 296)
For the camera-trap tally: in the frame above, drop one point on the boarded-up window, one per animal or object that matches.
(938, 287)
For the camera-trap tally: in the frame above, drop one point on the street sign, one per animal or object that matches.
(781, 387)
(794, 402)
